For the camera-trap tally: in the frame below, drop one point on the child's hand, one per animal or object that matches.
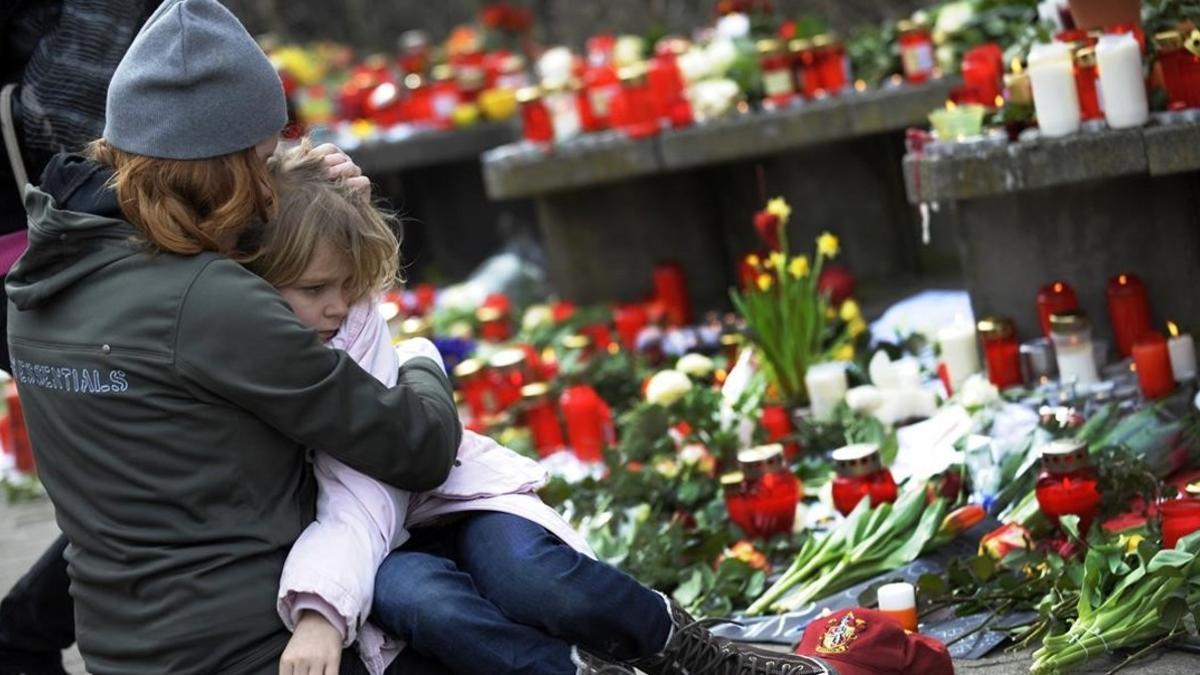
(315, 647)
(339, 165)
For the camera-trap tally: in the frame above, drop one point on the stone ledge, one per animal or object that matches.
(433, 148)
(514, 171)
(989, 170)
(520, 170)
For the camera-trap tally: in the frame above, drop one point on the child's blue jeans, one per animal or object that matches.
(495, 593)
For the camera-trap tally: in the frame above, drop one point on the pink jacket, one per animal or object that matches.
(331, 568)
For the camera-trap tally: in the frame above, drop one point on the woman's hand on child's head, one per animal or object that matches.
(315, 647)
(339, 165)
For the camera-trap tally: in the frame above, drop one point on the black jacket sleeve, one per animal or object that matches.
(239, 340)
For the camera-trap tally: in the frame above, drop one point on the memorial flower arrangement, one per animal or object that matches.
(790, 319)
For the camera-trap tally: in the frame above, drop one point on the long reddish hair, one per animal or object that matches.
(188, 206)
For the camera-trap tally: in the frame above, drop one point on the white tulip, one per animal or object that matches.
(721, 55)
(667, 387)
(628, 50)
(694, 365)
(537, 315)
(733, 26)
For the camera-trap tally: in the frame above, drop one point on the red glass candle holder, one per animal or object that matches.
(494, 325)
(983, 75)
(588, 421)
(542, 419)
(507, 376)
(1001, 351)
(1086, 77)
(771, 491)
(1180, 517)
(806, 77)
(1055, 298)
(1129, 310)
(635, 113)
(536, 125)
(22, 449)
(1153, 363)
(1068, 484)
(1180, 70)
(916, 51)
(670, 289)
(733, 489)
(667, 85)
(778, 87)
(860, 473)
(832, 65)
(476, 389)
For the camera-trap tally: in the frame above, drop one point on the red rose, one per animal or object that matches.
(767, 226)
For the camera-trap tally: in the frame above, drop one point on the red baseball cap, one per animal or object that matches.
(866, 642)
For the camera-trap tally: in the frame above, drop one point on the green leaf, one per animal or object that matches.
(1172, 612)
(689, 590)
(1170, 562)
(982, 567)
(1070, 525)
(932, 585)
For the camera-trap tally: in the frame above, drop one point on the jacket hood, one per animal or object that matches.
(75, 228)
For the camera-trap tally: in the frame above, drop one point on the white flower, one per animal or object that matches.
(978, 392)
(554, 66)
(667, 387)
(713, 98)
(953, 17)
(537, 315)
(694, 64)
(694, 365)
(733, 26)
(693, 453)
(721, 55)
(628, 50)
(864, 399)
(881, 372)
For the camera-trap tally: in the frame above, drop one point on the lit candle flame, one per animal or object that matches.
(1173, 329)
(1122, 280)
(1133, 367)
(1016, 66)
(999, 101)
(860, 85)
(1058, 287)
(950, 105)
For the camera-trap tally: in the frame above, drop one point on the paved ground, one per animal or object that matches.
(27, 528)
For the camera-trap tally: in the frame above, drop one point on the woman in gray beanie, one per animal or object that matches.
(169, 393)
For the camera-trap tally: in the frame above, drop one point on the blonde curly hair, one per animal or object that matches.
(312, 209)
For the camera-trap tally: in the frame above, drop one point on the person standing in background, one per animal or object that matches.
(56, 60)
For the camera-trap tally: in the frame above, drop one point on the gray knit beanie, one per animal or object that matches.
(193, 84)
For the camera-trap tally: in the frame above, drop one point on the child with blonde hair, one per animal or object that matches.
(478, 573)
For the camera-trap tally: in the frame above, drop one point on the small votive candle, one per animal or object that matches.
(1037, 361)
(1153, 363)
(899, 601)
(1073, 350)
(826, 384)
(1001, 351)
(1183, 353)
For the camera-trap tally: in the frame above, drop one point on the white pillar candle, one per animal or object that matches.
(1119, 60)
(826, 383)
(1077, 363)
(1183, 354)
(1052, 73)
(960, 352)
(899, 601)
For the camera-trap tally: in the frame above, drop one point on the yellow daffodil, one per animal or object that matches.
(850, 311)
(798, 268)
(776, 260)
(827, 245)
(856, 327)
(844, 353)
(779, 208)
(765, 281)
(753, 261)
(1130, 542)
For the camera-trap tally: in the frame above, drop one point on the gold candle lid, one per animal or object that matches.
(442, 72)
(634, 74)
(799, 45)
(535, 390)
(576, 341)
(486, 314)
(529, 94)
(1085, 57)
(415, 326)
(1069, 322)
(732, 479)
(769, 46)
(996, 327)
(468, 368)
(1169, 39)
(507, 358)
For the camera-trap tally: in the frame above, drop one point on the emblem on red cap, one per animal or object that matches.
(840, 633)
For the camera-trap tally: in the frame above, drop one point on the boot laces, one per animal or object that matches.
(721, 656)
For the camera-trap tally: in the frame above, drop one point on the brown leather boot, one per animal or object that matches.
(694, 650)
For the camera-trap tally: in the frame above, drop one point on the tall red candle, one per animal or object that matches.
(1153, 363)
(670, 289)
(589, 422)
(1129, 310)
(1055, 298)
(1001, 351)
(542, 419)
(535, 118)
